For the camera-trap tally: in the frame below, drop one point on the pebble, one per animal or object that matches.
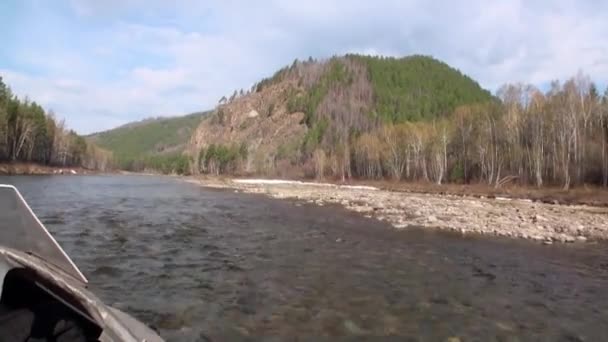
(566, 238)
(580, 228)
(352, 327)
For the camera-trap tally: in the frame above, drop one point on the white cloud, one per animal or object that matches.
(147, 58)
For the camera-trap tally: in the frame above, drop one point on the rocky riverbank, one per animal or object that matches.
(542, 222)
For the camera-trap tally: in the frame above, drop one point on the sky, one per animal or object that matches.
(100, 64)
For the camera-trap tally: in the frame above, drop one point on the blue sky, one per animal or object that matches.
(100, 64)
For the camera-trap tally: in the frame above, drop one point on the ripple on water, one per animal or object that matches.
(52, 219)
(107, 271)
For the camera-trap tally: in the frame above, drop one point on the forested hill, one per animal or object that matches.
(320, 108)
(413, 118)
(30, 134)
(394, 89)
(155, 143)
(418, 88)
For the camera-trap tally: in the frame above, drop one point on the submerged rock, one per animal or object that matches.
(566, 238)
(537, 238)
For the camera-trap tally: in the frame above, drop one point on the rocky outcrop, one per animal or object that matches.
(260, 120)
(545, 223)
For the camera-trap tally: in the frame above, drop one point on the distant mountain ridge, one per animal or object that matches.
(136, 141)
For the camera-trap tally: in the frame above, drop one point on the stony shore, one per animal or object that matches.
(545, 223)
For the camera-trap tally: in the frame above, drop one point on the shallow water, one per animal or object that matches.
(202, 264)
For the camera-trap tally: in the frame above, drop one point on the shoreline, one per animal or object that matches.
(583, 195)
(32, 169)
(500, 216)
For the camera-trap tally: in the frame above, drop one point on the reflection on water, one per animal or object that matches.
(214, 265)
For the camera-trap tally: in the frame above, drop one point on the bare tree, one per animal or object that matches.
(437, 147)
(319, 160)
(368, 150)
(537, 133)
(464, 124)
(394, 138)
(567, 129)
(603, 132)
(513, 97)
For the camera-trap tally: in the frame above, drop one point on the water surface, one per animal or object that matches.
(202, 264)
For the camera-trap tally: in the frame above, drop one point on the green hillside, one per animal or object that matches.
(143, 140)
(419, 87)
(346, 96)
(411, 88)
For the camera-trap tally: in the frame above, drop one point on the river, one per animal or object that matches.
(213, 265)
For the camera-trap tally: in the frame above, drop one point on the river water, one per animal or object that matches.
(201, 264)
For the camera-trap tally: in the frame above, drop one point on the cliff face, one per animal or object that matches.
(260, 121)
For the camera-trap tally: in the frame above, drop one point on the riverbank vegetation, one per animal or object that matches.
(525, 136)
(417, 119)
(173, 163)
(29, 134)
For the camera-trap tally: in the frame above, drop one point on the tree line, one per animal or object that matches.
(559, 137)
(170, 163)
(219, 159)
(30, 134)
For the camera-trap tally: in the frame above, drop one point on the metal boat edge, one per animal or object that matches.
(64, 281)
